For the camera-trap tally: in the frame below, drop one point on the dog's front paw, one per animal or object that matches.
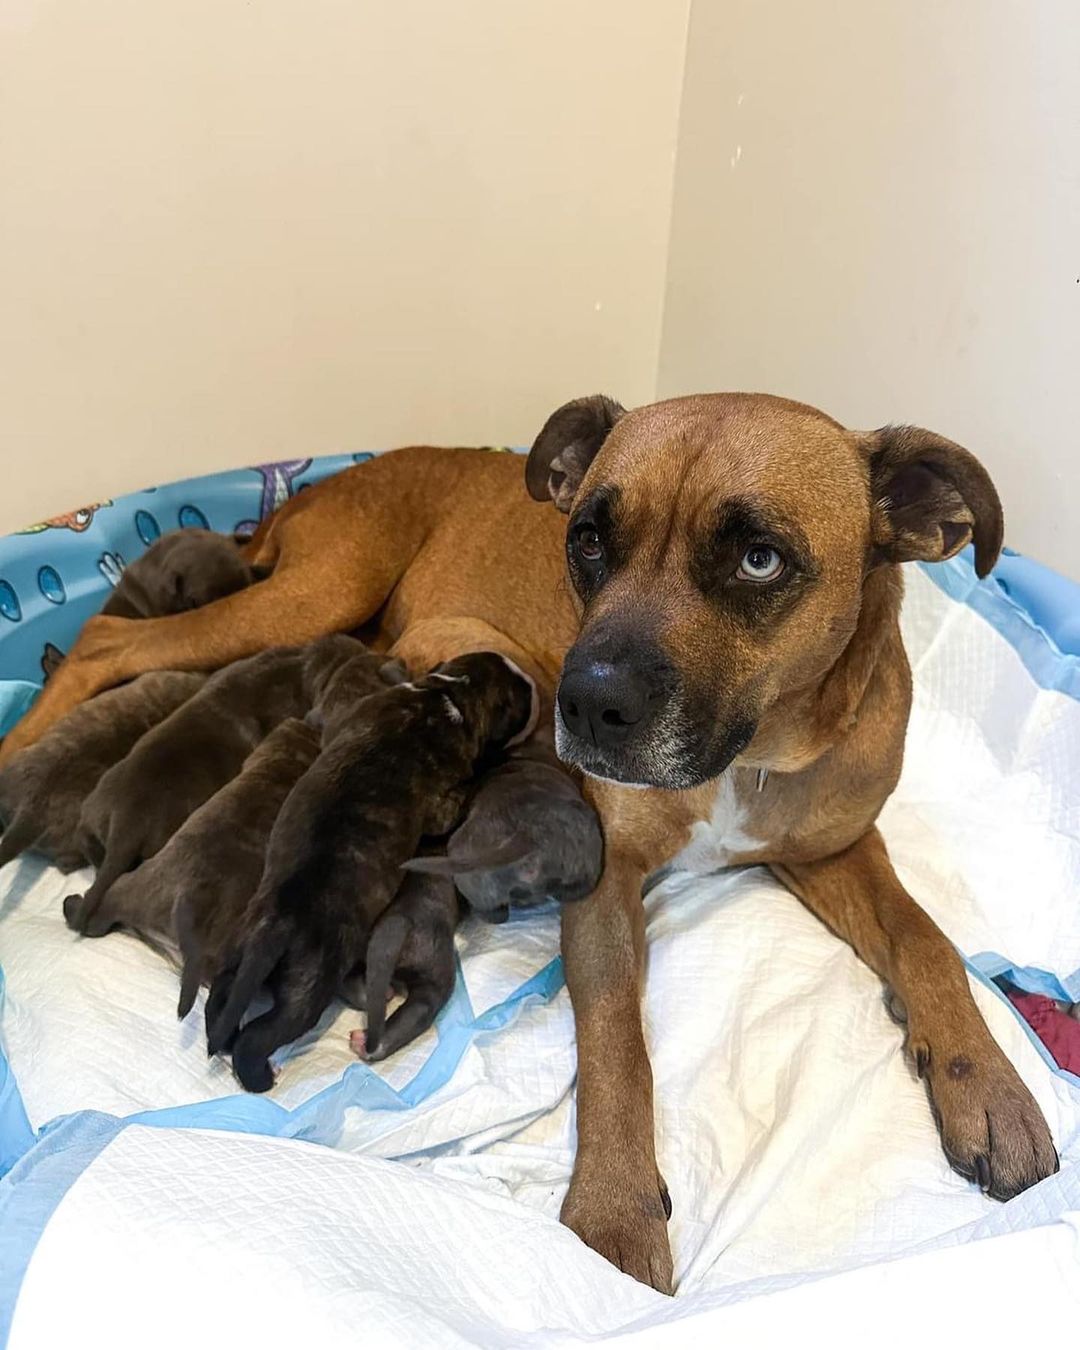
(626, 1223)
(991, 1128)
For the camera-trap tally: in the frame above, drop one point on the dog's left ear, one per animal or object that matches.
(566, 446)
(930, 497)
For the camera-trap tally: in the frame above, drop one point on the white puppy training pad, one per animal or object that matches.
(794, 1137)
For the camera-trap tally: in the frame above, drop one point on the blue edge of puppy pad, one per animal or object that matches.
(55, 575)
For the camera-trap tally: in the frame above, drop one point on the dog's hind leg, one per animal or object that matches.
(20, 835)
(991, 1128)
(220, 989)
(423, 1004)
(384, 950)
(82, 911)
(296, 1010)
(337, 566)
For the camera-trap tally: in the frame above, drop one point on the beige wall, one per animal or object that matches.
(233, 231)
(877, 210)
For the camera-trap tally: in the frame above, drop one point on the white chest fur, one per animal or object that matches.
(723, 837)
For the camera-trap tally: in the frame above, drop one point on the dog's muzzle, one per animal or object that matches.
(631, 723)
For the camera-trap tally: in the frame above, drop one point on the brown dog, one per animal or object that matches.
(734, 561)
(42, 791)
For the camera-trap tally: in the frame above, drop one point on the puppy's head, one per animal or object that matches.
(718, 547)
(489, 695)
(339, 673)
(188, 568)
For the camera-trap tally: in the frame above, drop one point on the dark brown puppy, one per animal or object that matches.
(180, 571)
(192, 894)
(392, 773)
(412, 950)
(141, 802)
(42, 790)
(339, 673)
(528, 836)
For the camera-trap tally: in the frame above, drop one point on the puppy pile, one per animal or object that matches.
(301, 826)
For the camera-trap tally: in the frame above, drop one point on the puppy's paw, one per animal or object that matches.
(253, 1071)
(78, 911)
(363, 1049)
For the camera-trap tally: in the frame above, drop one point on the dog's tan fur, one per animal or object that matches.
(442, 552)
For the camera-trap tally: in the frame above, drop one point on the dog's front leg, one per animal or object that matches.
(617, 1201)
(991, 1128)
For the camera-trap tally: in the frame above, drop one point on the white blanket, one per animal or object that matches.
(793, 1135)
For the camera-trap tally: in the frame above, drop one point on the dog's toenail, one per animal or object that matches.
(922, 1060)
(982, 1171)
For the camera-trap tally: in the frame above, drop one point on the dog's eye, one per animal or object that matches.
(760, 563)
(588, 545)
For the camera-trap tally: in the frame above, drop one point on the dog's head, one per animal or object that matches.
(719, 546)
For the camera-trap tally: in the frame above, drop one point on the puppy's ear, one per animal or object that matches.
(566, 446)
(930, 497)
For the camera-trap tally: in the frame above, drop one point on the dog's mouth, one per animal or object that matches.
(673, 755)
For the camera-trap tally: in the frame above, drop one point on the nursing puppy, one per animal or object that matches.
(192, 894)
(180, 571)
(140, 803)
(528, 836)
(390, 772)
(42, 790)
(339, 673)
(412, 951)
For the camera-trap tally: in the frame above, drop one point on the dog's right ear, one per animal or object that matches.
(566, 446)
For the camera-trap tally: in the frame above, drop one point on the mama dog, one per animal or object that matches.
(731, 621)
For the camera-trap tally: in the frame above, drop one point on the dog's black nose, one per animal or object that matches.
(606, 703)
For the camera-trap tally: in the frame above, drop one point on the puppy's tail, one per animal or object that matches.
(383, 955)
(191, 971)
(261, 952)
(510, 851)
(18, 836)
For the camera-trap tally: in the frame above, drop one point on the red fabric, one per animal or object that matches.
(1059, 1032)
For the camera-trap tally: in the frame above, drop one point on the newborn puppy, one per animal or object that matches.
(389, 773)
(411, 947)
(182, 570)
(141, 802)
(193, 893)
(42, 790)
(528, 836)
(339, 672)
